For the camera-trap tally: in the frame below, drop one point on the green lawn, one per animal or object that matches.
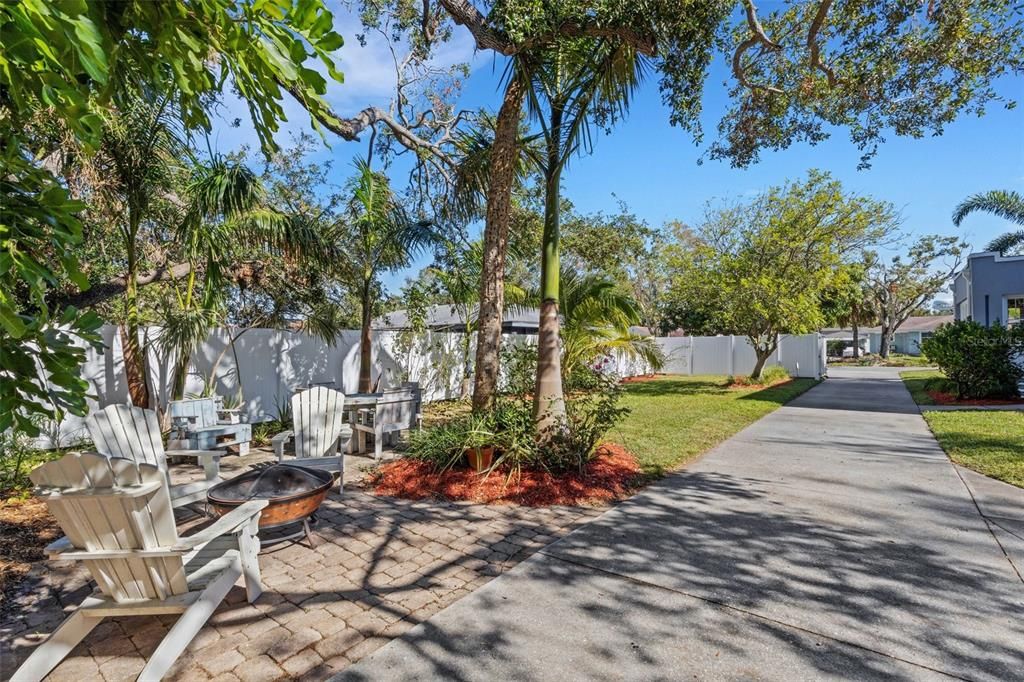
(674, 419)
(988, 441)
(919, 382)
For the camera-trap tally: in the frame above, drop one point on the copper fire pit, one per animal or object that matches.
(293, 493)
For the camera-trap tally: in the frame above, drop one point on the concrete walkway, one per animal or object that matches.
(831, 539)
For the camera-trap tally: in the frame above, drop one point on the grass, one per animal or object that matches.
(919, 382)
(989, 442)
(675, 419)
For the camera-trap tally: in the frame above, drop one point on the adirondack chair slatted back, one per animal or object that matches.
(317, 415)
(397, 407)
(128, 432)
(199, 411)
(120, 511)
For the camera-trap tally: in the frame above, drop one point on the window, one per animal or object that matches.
(1014, 310)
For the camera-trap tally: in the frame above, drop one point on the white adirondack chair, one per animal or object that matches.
(318, 430)
(118, 521)
(134, 433)
(396, 410)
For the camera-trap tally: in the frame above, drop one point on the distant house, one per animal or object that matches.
(449, 318)
(910, 335)
(990, 289)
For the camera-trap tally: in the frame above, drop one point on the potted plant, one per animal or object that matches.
(479, 445)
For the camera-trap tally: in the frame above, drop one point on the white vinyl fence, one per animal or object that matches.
(266, 366)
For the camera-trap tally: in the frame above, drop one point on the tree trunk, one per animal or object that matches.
(504, 154)
(762, 358)
(467, 363)
(856, 340)
(365, 349)
(133, 354)
(886, 340)
(548, 399)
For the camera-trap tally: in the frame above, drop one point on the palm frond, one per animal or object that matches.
(1007, 244)
(1003, 203)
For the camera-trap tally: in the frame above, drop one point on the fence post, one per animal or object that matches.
(732, 355)
(689, 363)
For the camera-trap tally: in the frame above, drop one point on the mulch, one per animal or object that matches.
(612, 475)
(26, 528)
(737, 386)
(639, 378)
(946, 398)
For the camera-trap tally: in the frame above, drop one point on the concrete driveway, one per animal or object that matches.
(831, 539)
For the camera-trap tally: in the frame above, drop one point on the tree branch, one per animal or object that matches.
(812, 42)
(104, 291)
(758, 37)
(464, 13)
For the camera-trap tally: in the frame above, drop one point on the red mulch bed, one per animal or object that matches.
(736, 386)
(610, 476)
(945, 398)
(640, 378)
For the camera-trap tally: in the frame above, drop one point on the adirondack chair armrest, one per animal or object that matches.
(209, 459)
(222, 526)
(279, 442)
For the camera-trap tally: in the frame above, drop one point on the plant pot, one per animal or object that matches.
(480, 458)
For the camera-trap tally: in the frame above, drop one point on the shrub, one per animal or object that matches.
(769, 375)
(264, 431)
(519, 368)
(509, 427)
(18, 456)
(979, 361)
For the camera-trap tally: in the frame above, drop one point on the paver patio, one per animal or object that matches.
(382, 566)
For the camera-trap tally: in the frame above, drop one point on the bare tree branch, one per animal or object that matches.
(758, 37)
(812, 42)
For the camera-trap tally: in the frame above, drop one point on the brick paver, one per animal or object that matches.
(381, 566)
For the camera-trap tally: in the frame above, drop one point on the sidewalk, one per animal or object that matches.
(831, 539)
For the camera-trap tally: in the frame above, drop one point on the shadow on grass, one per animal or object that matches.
(680, 386)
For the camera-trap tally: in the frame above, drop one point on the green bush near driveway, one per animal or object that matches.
(674, 419)
(990, 442)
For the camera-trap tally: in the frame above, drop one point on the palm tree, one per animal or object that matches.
(458, 275)
(134, 168)
(1003, 203)
(571, 85)
(596, 322)
(376, 236)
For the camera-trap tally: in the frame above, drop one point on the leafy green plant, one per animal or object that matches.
(264, 431)
(979, 361)
(589, 416)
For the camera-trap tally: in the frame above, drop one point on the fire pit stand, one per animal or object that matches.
(294, 494)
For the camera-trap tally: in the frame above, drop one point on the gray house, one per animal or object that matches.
(990, 289)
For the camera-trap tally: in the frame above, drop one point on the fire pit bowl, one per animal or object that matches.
(294, 493)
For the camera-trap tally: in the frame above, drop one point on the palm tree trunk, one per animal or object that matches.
(492, 276)
(133, 354)
(365, 350)
(548, 398)
(856, 337)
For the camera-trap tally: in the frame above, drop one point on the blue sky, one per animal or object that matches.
(653, 167)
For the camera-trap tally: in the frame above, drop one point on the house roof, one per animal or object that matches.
(924, 323)
(445, 316)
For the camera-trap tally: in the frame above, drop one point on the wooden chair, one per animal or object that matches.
(396, 410)
(134, 433)
(204, 428)
(118, 521)
(318, 429)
